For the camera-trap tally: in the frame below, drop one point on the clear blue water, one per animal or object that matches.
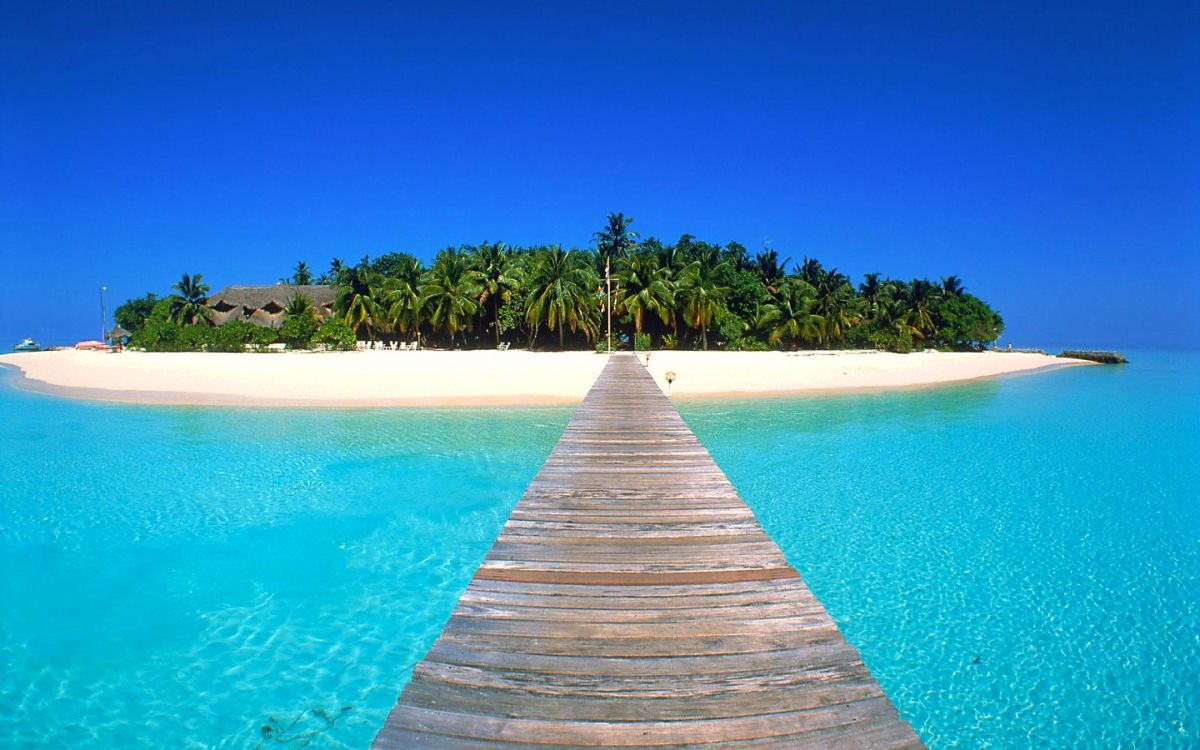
(1017, 560)
(184, 577)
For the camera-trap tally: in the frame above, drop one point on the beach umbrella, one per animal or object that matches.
(118, 333)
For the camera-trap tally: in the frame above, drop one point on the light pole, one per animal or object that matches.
(103, 313)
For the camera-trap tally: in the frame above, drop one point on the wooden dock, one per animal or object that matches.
(632, 600)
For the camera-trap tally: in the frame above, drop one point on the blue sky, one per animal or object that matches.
(1047, 155)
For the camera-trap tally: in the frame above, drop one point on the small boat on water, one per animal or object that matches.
(28, 345)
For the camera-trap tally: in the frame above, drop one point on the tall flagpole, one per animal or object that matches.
(608, 301)
(103, 315)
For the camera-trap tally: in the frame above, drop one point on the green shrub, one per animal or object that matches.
(158, 332)
(749, 344)
(728, 327)
(192, 338)
(670, 341)
(641, 341)
(336, 335)
(881, 337)
(261, 337)
(298, 331)
(235, 335)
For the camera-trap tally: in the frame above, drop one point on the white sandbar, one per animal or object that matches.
(453, 378)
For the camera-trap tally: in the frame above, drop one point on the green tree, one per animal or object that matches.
(302, 276)
(450, 292)
(402, 305)
(356, 303)
(967, 322)
(834, 301)
(561, 284)
(398, 266)
(791, 318)
(916, 301)
(188, 307)
(493, 264)
(643, 287)
(334, 274)
(952, 286)
(615, 240)
(811, 271)
(159, 332)
(700, 293)
(876, 295)
(771, 271)
(132, 314)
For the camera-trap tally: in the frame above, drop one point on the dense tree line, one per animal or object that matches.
(689, 294)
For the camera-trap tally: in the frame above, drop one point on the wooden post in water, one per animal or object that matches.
(632, 600)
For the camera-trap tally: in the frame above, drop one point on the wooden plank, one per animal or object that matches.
(632, 600)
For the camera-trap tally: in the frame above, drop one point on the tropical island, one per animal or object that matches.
(689, 294)
(492, 324)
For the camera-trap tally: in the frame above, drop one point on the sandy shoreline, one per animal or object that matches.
(482, 378)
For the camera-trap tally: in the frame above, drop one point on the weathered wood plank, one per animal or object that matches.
(632, 600)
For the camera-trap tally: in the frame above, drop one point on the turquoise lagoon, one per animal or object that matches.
(1018, 560)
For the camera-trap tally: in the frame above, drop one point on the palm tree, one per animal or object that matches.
(298, 305)
(770, 269)
(811, 271)
(700, 292)
(400, 304)
(901, 318)
(669, 257)
(560, 293)
(834, 301)
(918, 297)
(334, 274)
(952, 286)
(791, 317)
(450, 292)
(400, 296)
(188, 307)
(357, 301)
(301, 276)
(615, 240)
(496, 281)
(876, 295)
(644, 287)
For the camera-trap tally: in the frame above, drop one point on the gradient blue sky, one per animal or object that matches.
(1045, 152)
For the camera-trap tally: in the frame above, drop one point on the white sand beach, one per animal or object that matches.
(464, 378)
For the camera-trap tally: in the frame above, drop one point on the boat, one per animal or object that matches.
(28, 345)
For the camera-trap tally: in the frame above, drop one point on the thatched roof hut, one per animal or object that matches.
(264, 305)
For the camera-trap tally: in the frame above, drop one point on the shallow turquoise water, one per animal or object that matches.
(1017, 560)
(184, 577)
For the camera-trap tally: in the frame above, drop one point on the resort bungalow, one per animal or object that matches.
(264, 305)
